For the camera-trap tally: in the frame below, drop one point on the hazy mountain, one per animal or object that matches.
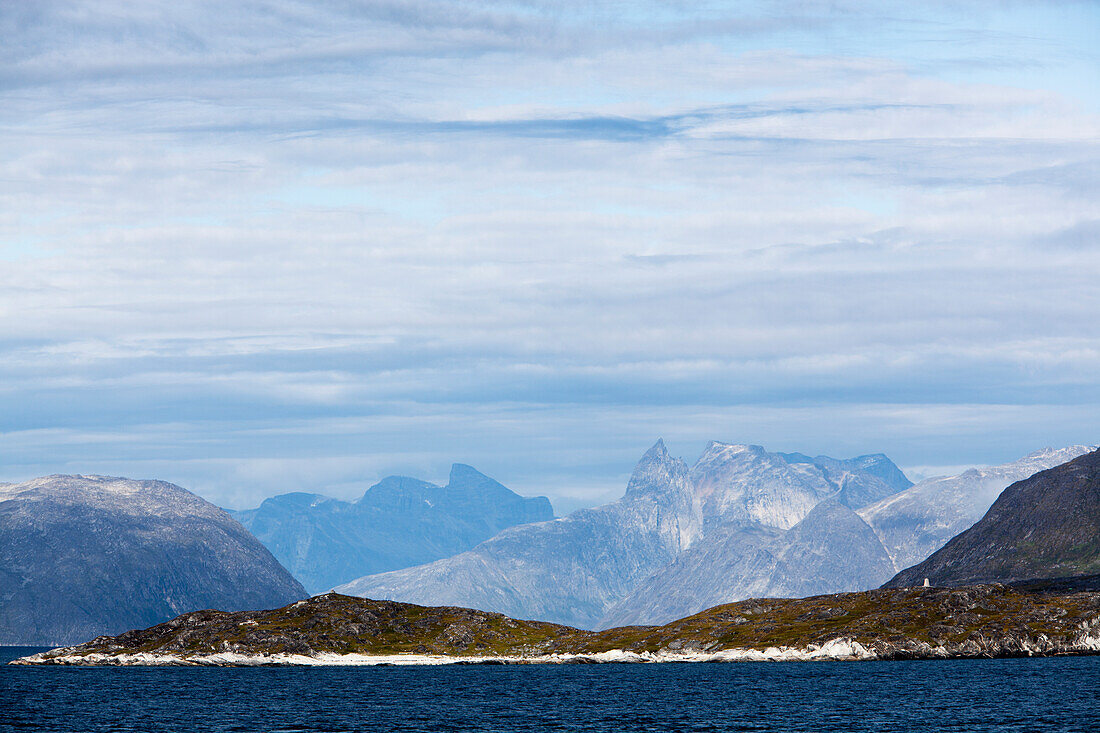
(862, 480)
(82, 556)
(568, 570)
(830, 551)
(725, 512)
(749, 485)
(918, 521)
(397, 523)
(1046, 526)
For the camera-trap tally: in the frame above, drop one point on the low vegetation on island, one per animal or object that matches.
(1041, 618)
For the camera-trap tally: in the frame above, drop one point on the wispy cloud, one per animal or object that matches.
(324, 242)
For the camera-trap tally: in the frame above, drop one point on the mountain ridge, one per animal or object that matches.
(83, 555)
(1047, 525)
(916, 522)
(398, 522)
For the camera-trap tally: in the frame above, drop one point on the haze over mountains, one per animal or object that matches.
(576, 569)
(741, 522)
(1044, 526)
(570, 568)
(82, 556)
(915, 523)
(397, 523)
(830, 551)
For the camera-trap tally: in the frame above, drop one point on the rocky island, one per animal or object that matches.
(1026, 619)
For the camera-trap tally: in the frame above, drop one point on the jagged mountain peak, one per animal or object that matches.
(658, 451)
(745, 483)
(1044, 458)
(715, 447)
(918, 521)
(1050, 451)
(658, 473)
(463, 476)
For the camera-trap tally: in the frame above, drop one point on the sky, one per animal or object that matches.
(261, 247)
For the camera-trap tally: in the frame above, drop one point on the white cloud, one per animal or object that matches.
(482, 221)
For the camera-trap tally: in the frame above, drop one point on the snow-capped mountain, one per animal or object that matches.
(397, 523)
(920, 520)
(87, 555)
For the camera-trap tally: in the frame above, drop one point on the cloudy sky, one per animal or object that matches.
(269, 246)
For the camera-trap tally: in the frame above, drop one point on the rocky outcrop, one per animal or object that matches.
(88, 555)
(910, 623)
(1044, 526)
(399, 522)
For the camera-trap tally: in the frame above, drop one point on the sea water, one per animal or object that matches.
(1053, 694)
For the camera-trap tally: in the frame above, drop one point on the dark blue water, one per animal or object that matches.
(995, 695)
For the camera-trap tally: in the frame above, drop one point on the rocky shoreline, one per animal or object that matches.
(987, 621)
(836, 650)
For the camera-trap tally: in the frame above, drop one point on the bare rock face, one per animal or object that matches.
(87, 555)
(830, 551)
(749, 485)
(399, 522)
(1046, 526)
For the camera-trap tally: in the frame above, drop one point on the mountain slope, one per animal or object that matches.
(918, 521)
(830, 551)
(1045, 526)
(397, 523)
(87, 555)
(567, 570)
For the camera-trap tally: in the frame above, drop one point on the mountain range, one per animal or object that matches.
(741, 522)
(82, 556)
(85, 555)
(397, 523)
(578, 569)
